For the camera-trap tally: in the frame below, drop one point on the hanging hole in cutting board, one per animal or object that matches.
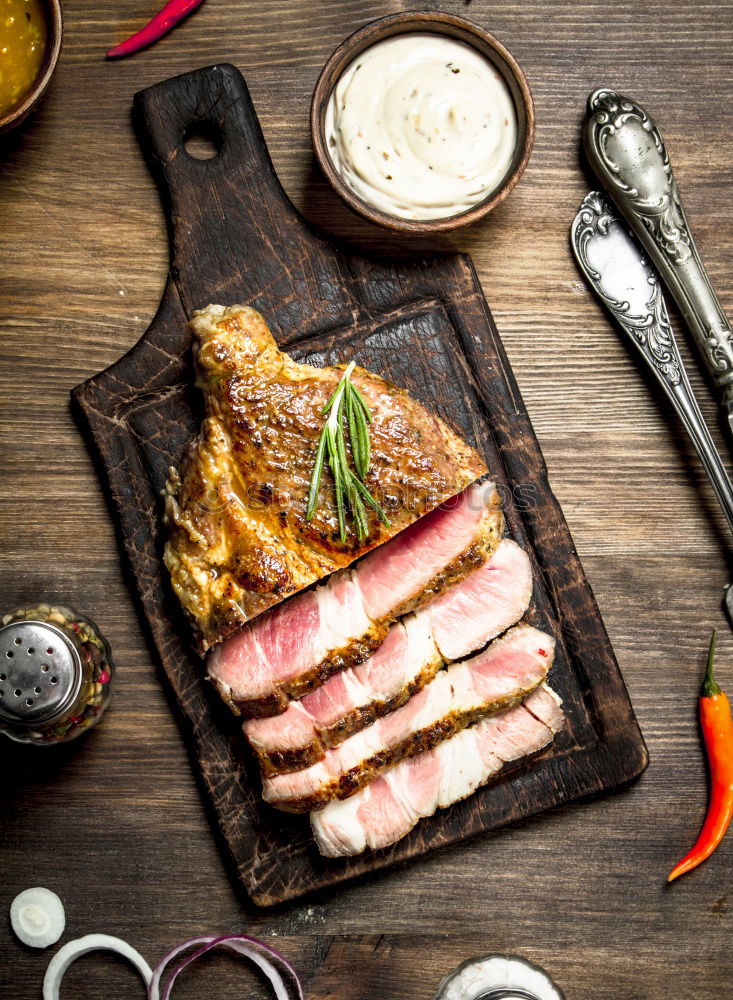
(203, 140)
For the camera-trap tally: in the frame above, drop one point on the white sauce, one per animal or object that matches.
(421, 126)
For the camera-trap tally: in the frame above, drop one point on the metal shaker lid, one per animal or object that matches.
(40, 673)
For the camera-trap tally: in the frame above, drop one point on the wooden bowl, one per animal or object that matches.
(54, 31)
(435, 22)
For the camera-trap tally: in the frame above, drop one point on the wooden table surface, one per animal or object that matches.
(116, 824)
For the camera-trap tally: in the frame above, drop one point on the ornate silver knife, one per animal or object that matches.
(627, 152)
(629, 287)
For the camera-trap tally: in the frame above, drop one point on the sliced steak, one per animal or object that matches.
(407, 659)
(501, 676)
(296, 646)
(546, 705)
(348, 702)
(465, 617)
(386, 810)
(435, 552)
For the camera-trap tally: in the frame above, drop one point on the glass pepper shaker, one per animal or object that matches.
(55, 674)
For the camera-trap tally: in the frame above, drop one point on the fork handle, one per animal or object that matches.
(627, 152)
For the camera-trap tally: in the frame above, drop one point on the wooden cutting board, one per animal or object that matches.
(424, 324)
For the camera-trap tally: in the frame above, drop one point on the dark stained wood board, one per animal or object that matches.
(423, 323)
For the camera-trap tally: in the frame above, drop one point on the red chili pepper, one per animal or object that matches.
(171, 15)
(717, 731)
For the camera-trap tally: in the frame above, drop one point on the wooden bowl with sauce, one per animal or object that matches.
(14, 110)
(426, 23)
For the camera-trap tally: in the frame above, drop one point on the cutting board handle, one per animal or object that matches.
(216, 205)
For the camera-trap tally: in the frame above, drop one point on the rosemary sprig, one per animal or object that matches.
(346, 407)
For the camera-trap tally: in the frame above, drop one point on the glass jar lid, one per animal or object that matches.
(498, 977)
(40, 673)
(508, 993)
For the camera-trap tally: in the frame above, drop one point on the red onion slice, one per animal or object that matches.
(278, 971)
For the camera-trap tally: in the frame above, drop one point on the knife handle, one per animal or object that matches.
(627, 285)
(627, 152)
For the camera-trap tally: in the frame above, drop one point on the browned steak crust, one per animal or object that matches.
(238, 541)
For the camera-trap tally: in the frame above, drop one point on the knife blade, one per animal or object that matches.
(630, 288)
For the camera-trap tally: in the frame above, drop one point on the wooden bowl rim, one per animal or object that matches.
(55, 28)
(439, 22)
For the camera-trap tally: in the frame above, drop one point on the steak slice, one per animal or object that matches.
(295, 647)
(463, 619)
(349, 701)
(499, 677)
(484, 605)
(386, 810)
(238, 541)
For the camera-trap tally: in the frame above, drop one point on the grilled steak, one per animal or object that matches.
(499, 677)
(462, 620)
(295, 647)
(238, 540)
(386, 810)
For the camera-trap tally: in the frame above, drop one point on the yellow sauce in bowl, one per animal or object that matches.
(22, 48)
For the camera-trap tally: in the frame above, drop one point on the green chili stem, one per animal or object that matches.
(709, 685)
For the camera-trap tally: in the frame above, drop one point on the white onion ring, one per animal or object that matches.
(37, 917)
(279, 972)
(75, 949)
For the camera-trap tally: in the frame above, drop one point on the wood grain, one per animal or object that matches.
(116, 825)
(424, 325)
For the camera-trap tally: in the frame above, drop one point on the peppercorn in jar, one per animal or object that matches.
(55, 674)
